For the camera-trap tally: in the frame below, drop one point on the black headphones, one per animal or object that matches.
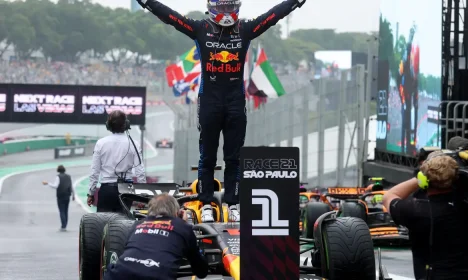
(110, 123)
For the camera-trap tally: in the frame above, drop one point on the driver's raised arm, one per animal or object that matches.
(169, 16)
(259, 25)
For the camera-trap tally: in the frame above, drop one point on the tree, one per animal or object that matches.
(22, 34)
(65, 30)
(196, 15)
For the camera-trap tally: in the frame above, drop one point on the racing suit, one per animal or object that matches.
(155, 250)
(221, 99)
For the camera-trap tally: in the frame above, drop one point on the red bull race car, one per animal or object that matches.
(164, 144)
(102, 237)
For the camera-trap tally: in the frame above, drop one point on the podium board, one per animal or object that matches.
(269, 227)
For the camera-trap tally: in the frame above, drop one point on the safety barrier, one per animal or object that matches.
(73, 151)
(43, 143)
(320, 118)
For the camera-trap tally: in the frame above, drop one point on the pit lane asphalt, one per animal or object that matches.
(30, 245)
(32, 248)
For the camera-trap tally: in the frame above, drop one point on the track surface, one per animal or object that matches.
(31, 247)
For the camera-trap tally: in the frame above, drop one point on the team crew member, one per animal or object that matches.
(63, 184)
(222, 41)
(157, 245)
(114, 157)
(438, 224)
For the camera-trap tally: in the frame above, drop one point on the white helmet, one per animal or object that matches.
(224, 12)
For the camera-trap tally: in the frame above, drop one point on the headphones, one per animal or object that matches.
(110, 123)
(423, 181)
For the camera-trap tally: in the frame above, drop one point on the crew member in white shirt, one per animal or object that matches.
(114, 158)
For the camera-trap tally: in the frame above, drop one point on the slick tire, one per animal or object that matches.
(353, 209)
(313, 211)
(90, 239)
(114, 239)
(349, 249)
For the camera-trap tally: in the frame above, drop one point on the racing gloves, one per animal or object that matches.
(142, 3)
(300, 3)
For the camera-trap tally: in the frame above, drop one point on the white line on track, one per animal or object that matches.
(171, 126)
(4, 178)
(77, 199)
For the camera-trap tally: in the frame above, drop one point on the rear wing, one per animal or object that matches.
(195, 167)
(345, 192)
(149, 189)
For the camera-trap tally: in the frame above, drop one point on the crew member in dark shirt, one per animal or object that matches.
(158, 244)
(438, 224)
(63, 184)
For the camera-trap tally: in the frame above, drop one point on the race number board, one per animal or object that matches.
(269, 199)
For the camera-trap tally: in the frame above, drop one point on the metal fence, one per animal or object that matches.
(320, 119)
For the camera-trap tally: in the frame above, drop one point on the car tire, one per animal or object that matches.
(349, 249)
(313, 210)
(114, 239)
(353, 209)
(90, 240)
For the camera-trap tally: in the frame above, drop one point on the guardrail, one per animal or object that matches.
(24, 145)
(73, 151)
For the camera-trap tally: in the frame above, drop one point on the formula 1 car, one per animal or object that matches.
(333, 254)
(367, 205)
(164, 144)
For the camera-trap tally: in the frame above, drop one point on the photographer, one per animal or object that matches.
(438, 223)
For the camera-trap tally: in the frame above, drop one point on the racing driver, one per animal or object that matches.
(222, 41)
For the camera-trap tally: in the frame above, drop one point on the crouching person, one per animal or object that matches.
(157, 245)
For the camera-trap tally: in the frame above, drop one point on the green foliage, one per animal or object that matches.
(64, 30)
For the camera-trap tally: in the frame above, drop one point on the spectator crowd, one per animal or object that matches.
(31, 72)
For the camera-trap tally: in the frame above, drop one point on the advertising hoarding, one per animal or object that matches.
(67, 104)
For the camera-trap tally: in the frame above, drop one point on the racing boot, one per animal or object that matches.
(207, 214)
(234, 215)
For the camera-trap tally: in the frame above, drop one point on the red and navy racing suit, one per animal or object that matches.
(221, 99)
(155, 249)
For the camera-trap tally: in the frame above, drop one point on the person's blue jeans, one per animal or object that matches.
(63, 210)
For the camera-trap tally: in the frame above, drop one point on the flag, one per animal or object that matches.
(178, 71)
(189, 59)
(264, 77)
(173, 74)
(188, 83)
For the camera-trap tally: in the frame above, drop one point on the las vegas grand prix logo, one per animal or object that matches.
(106, 104)
(43, 103)
(2, 102)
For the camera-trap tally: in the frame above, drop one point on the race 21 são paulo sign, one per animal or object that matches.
(69, 104)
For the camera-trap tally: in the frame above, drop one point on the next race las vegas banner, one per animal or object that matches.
(67, 104)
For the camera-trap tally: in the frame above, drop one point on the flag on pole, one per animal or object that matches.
(264, 78)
